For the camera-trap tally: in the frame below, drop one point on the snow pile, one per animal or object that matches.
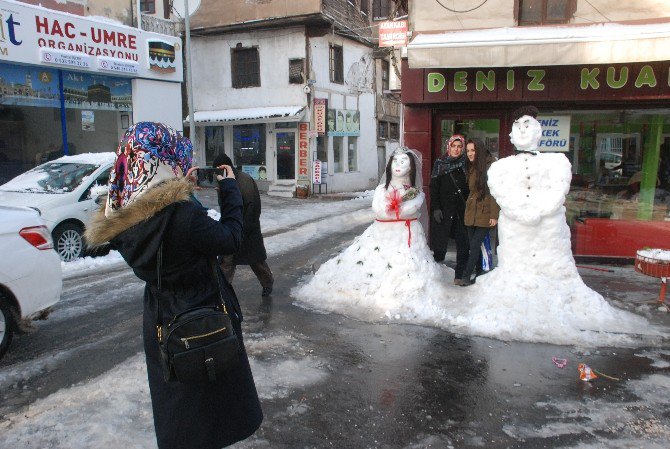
(535, 294)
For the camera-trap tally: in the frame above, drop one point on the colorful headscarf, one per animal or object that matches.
(447, 163)
(148, 154)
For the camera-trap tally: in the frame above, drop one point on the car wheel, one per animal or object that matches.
(6, 326)
(69, 241)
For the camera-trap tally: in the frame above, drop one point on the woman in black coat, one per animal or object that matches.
(152, 203)
(448, 191)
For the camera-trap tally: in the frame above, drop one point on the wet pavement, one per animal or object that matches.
(353, 384)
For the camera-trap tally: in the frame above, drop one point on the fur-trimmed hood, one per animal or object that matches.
(102, 229)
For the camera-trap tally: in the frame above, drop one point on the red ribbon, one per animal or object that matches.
(407, 223)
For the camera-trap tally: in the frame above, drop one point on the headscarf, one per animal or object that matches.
(148, 154)
(447, 163)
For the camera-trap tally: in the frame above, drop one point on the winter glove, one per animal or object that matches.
(437, 215)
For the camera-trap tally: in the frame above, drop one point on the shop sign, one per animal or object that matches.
(75, 41)
(554, 83)
(555, 133)
(343, 122)
(118, 65)
(393, 33)
(316, 172)
(320, 115)
(303, 151)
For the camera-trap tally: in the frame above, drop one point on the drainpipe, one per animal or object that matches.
(189, 87)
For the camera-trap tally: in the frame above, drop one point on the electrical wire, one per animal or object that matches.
(463, 11)
(591, 4)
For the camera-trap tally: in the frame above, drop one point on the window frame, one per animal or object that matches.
(570, 5)
(336, 63)
(386, 75)
(381, 9)
(249, 78)
(301, 61)
(149, 6)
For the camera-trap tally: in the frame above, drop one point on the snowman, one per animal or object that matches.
(536, 292)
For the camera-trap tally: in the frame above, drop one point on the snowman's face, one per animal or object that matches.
(526, 133)
(400, 166)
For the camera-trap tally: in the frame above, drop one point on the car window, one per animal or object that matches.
(52, 177)
(102, 180)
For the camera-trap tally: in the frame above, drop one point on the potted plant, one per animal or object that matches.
(301, 191)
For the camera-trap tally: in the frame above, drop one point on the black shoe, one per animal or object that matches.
(466, 282)
(266, 291)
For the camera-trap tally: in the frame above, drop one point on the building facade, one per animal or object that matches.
(282, 87)
(72, 84)
(598, 72)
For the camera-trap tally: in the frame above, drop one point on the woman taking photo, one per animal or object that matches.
(153, 219)
(481, 210)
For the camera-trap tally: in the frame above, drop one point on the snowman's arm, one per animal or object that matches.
(410, 208)
(380, 202)
(559, 174)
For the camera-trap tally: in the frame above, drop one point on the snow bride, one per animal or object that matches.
(388, 270)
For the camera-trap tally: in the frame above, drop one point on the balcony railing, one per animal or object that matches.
(162, 26)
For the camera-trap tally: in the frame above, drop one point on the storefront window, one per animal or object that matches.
(249, 145)
(352, 154)
(621, 174)
(322, 148)
(486, 130)
(33, 125)
(338, 159)
(213, 142)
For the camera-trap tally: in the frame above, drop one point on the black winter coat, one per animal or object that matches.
(252, 249)
(208, 415)
(445, 195)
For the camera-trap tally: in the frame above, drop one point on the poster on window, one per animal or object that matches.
(258, 172)
(343, 122)
(88, 120)
(555, 133)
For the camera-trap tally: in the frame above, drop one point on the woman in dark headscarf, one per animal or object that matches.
(151, 204)
(448, 191)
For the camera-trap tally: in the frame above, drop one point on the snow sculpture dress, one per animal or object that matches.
(387, 271)
(536, 292)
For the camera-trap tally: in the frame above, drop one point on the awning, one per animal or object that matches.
(249, 115)
(606, 43)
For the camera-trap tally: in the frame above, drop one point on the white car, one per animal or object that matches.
(61, 191)
(31, 280)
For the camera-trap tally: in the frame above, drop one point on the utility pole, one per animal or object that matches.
(189, 86)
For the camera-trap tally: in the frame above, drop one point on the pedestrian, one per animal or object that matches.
(481, 210)
(252, 251)
(448, 191)
(150, 205)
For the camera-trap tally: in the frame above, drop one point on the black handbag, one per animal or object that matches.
(199, 344)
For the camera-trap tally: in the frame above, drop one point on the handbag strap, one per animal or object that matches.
(159, 316)
(453, 180)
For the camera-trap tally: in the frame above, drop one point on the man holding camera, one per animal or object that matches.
(252, 252)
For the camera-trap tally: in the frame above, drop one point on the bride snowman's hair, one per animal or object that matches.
(412, 163)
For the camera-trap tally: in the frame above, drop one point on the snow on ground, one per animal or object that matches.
(325, 218)
(92, 413)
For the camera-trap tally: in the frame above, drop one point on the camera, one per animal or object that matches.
(207, 176)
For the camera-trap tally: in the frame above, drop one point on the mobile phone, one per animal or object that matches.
(207, 176)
